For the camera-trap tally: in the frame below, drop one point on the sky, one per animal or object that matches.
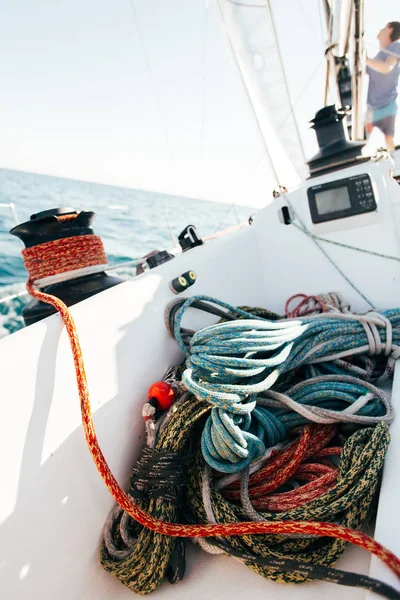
(145, 93)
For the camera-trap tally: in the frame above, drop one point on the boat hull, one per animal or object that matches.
(53, 503)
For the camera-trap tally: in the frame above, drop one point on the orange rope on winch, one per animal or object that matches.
(181, 530)
(64, 254)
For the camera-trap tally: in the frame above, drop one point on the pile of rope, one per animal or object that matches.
(309, 487)
(141, 558)
(231, 364)
(320, 446)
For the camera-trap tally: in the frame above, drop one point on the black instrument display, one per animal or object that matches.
(342, 198)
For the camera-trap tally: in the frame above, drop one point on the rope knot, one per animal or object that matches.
(231, 441)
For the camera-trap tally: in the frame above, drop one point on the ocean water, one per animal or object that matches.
(130, 222)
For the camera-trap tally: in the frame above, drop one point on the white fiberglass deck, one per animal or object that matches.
(53, 503)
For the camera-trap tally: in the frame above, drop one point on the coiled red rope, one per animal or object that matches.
(303, 307)
(290, 463)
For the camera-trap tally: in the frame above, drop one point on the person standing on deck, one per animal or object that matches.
(383, 71)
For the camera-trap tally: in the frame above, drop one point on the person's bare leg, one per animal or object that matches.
(389, 139)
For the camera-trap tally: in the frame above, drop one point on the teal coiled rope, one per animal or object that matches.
(231, 364)
(329, 399)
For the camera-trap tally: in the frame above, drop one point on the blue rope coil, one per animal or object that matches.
(231, 364)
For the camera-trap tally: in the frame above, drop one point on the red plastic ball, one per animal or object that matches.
(163, 393)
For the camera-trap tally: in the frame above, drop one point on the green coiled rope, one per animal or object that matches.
(141, 559)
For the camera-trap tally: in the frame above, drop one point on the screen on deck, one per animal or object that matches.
(333, 200)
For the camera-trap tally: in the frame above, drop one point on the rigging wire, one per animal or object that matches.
(302, 227)
(321, 23)
(151, 80)
(157, 101)
(168, 222)
(283, 69)
(303, 90)
(221, 223)
(311, 27)
(204, 83)
(236, 214)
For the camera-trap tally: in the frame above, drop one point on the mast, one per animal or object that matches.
(338, 17)
(330, 77)
(358, 72)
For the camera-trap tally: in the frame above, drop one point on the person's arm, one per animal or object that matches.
(382, 66)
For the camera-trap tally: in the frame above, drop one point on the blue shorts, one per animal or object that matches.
(384, 118)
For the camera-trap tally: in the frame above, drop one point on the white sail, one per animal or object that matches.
(252, 35)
